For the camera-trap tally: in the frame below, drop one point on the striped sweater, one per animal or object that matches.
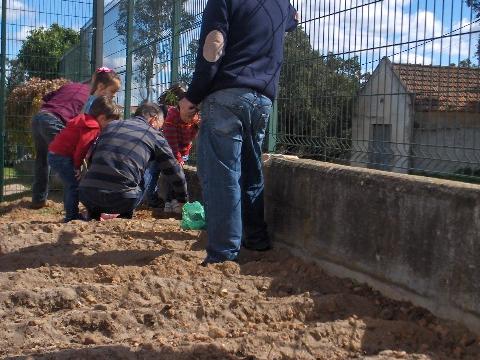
(122, 154)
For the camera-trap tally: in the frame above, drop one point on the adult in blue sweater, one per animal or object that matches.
(235, 81)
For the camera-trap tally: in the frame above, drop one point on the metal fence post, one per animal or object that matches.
(97, 43)
(175, 60)
(3, 61)
(273, 127)
(129, 67)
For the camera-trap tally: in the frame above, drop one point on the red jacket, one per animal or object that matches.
(179, 134)
(75, 140)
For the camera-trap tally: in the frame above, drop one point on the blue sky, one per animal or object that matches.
(395, 28)
(343, 27)
(25, 15)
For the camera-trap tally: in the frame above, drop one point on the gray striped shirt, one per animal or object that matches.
(122, 154)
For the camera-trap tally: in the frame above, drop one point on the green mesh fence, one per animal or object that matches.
(42, 44)
(392, 85)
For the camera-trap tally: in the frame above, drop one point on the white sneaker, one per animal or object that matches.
(168, 207)
(176, 207)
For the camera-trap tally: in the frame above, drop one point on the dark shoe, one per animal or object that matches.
(206, 262)
(262, 246)
(40, 204)
(209, 260)
(80, 217)
(155, 205)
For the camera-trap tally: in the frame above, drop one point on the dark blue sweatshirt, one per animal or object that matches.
(241, 46)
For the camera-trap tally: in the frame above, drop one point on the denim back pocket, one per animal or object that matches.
(261, 123)
(226, 120)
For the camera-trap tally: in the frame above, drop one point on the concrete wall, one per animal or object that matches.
(446, 141)
(383, 101)
(412, 238)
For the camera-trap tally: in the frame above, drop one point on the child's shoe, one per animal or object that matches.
(105, 216)
(176, 207)
(168, 207)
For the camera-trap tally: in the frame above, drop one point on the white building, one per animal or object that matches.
(418, 118)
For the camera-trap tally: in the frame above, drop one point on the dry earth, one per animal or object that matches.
(134, 290)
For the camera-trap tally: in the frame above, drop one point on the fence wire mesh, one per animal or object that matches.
(392, 85)
(39, 36)
(386, 84)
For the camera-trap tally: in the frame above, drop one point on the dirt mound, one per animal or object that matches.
(134, 290)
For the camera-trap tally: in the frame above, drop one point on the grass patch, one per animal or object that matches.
(471, 179)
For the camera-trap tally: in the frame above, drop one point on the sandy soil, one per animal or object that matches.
(134, 290)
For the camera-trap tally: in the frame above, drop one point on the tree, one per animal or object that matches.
(42, 50)
(17, 74)
(475, 5)
(316, 98)
(152, 26)
(22, 103)
(189, 62)
(467, 63)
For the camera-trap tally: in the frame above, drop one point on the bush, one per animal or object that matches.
(23, 102)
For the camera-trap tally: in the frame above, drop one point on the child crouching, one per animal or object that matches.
(68, 149)
(180, 134)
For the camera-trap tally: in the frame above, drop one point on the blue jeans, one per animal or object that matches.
(44, 128)
(229, 163)
(98, 201)
(151, 179)
(63, 166)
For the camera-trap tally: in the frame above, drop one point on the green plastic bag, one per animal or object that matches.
(193, 216)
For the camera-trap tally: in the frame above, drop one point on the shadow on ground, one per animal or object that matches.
(200, 352)
(63, 253)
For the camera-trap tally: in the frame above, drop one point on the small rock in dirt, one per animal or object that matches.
(316, 334)
(223, 292)
(89, 340)
(215, 332)
(55, 273)
(34, 322)
(241, 287)
(391, 354)
(90, 299)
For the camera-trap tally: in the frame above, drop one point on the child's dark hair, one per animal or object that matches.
(151, 109)
(173, 95)
(103, 105)
(103, 76)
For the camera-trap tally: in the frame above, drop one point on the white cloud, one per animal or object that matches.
(394, 28)
(17, 10)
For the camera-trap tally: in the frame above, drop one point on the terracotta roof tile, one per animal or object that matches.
(441, 88)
